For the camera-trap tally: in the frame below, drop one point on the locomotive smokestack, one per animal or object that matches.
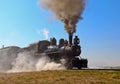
(70, 39)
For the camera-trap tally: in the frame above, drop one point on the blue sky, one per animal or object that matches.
(22, 22)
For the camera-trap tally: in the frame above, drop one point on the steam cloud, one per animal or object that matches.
(12, 59)
(46, 33)
(68, 11)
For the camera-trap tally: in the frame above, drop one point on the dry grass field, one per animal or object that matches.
(62, 77)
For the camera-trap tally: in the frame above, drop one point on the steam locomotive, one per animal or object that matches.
(68, 51)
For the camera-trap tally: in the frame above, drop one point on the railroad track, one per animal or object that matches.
(98, 69)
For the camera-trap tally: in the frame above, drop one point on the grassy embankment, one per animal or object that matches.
(62, 77)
